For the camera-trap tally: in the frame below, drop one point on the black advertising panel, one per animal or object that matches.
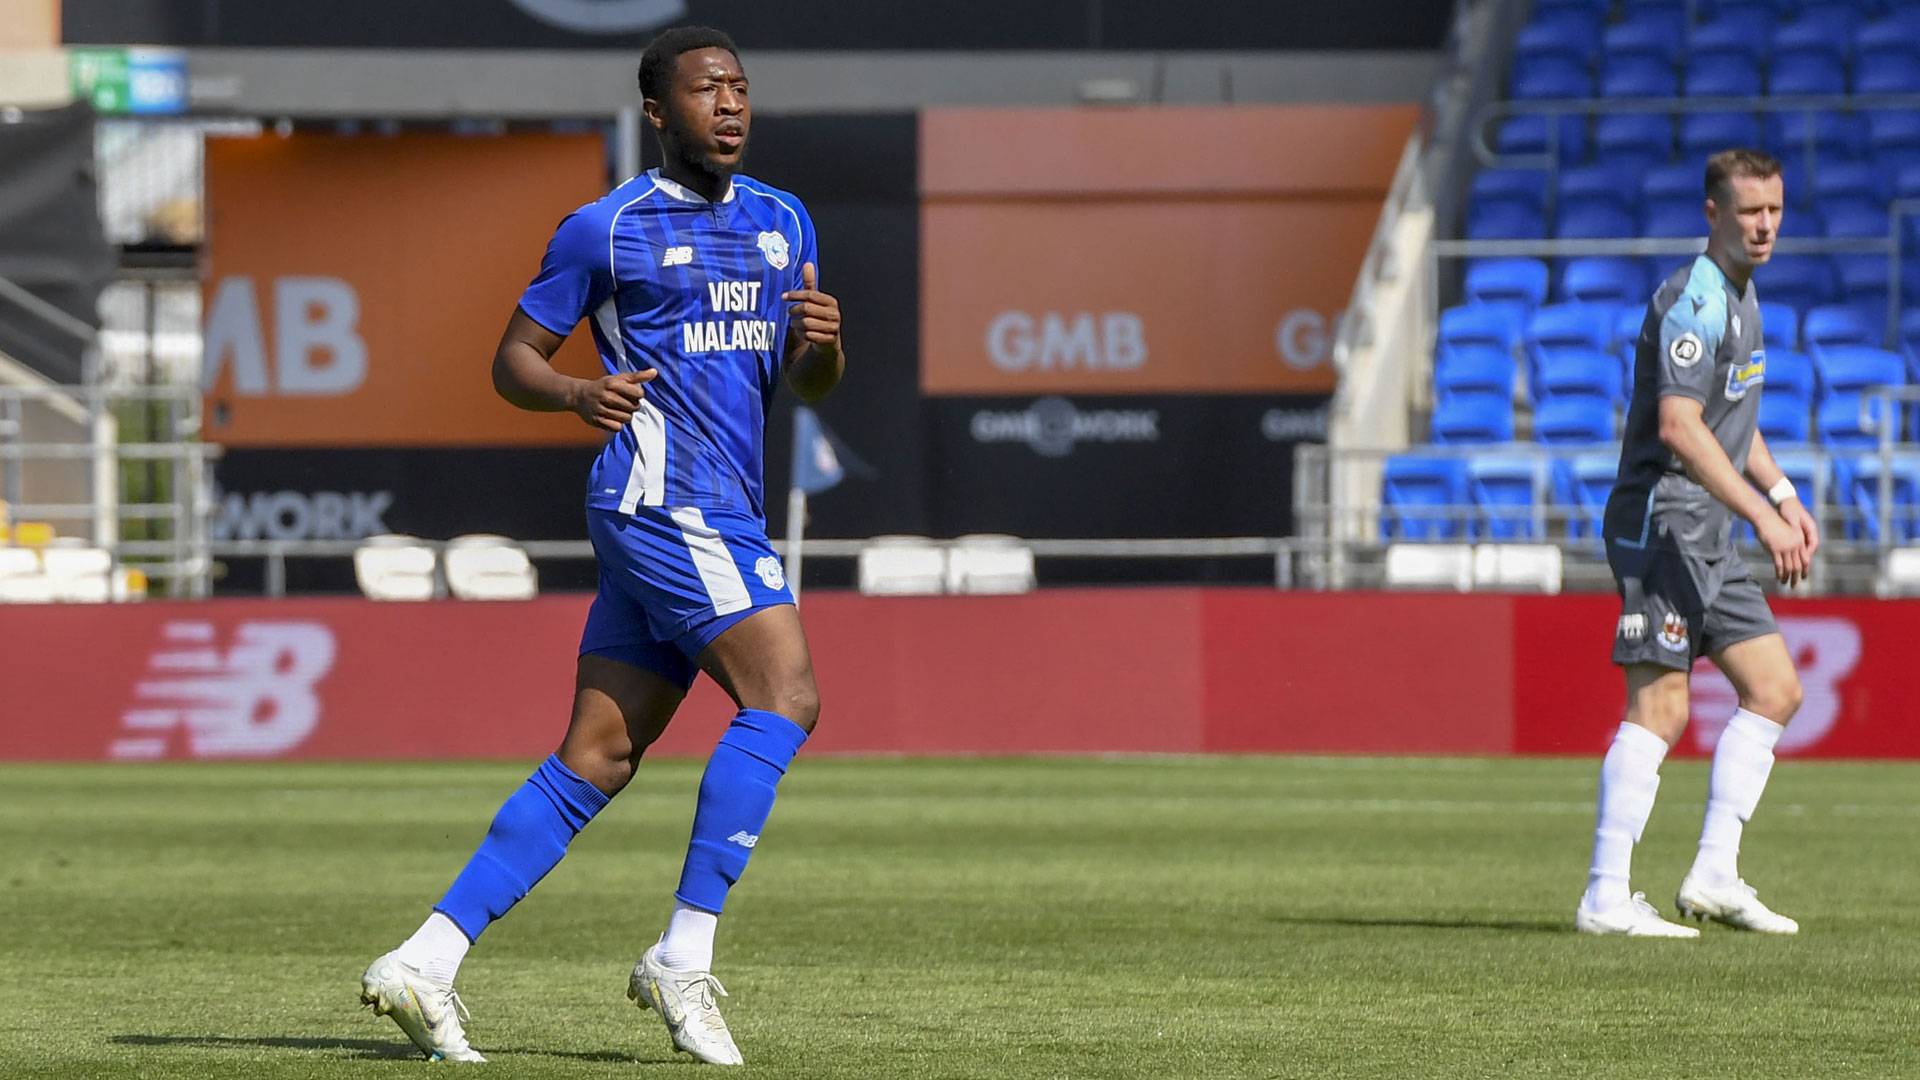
(763, 24)
(1128, 466)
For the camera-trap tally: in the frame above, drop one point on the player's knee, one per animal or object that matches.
(800, 703)
(1777, 700)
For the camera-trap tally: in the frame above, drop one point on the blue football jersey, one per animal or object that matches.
(668, 280)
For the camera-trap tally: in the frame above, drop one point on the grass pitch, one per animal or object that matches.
(1203, 917)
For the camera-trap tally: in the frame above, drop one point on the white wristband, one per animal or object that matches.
(1781, 492)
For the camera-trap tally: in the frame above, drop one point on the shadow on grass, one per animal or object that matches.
(364, 1048)
(1511, 926)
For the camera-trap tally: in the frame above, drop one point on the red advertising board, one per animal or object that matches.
(1138, 670)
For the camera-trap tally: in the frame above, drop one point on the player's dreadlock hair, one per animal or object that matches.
(1727, 164)
(656, 64)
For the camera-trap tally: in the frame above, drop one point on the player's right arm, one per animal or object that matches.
(575, 277)
(1690, 335)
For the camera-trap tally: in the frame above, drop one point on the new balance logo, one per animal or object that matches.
(744, 838)
(256, 698)
(678, 256)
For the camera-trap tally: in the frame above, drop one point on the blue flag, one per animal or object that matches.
(816, 465)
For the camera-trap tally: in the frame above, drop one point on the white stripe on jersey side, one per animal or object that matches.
(647, 475)
(718, 572)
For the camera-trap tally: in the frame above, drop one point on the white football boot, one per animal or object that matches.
(1734, 904)
(684, 999)
(1635, 918)
(428, 1012)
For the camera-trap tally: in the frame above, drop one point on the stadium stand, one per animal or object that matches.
(393, 566)
(481, 566)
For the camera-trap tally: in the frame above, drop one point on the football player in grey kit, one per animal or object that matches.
(1691, 458)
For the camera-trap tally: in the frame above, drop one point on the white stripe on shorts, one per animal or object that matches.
(718, 572)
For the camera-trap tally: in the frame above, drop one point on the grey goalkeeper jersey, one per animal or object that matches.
(1700, 340)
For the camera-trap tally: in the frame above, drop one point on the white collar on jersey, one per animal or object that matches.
(681, 193)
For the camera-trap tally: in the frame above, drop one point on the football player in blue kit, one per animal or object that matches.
(700, 288)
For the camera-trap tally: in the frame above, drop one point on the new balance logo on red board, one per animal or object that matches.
(256, 698)
(1825, 651)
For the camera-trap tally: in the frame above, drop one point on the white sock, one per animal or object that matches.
(688, 945)
(1741, 764)
(436, 949)
(1629, 779)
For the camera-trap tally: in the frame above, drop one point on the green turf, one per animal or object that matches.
(977, 918)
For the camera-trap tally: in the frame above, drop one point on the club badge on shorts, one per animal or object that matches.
(1673, 633)
(774, 247)
(770, 572)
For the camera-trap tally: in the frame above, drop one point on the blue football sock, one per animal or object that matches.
(736, 795)
(529, 835)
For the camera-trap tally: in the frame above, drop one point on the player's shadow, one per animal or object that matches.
(1511, 926)
(364, 1049)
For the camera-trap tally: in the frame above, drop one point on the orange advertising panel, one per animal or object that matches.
(356, 286)
(1145, 251)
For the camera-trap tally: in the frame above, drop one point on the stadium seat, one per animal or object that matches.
(1843, 324)
(1886, 39)
(1529, 135)
(1606, 185)
(1852, 181)
(1506, 221)
(1781, 326)
(1749, 39)
(1845, 420)
(1642, 140)
(79, 574)
(1903, 479)
(22, 580)
(1472, 419)
(1561, 327)
(1604, 280)
(1474, 370)
(1595, 221)
(1669, 17)
(1509, 281)
(1785, 418)
(1505, 490)
(1834, 135)
(1863, 279)
(1705, 134)
(1675, 219)
(1494, 326)
(1812, 37)
(1886, 75)
(1588, 480)
(1627, 321)
(1423, 497)
(1792, 374)
(1430, 566)
(1854, 218)
(1576, 373)
(1910, 327)
(393, 566)
(1899, 573)
(480, 566)
(1806, 74)
(1723, 76)
(1548, 78)
(1523, 187)
(1638, 77)
(1674, 183)
(990, 564)
(902, 566)
(1573, 421)
(1535, 568)
(1800, 281)
(1893, 138)
(1641, 39)
(1851, 369)
(1572, 37)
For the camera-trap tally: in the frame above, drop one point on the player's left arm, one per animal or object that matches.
(1765, 473)
(815, 359)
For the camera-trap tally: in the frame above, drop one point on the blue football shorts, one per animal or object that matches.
(674, 579)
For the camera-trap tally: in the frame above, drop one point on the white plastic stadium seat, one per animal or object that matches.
(902, 566)
(1900, 573)
(990, 564)
(1430, 566)
(22, 580)
(392, 566)
(481, 566)
(1517, 568)
(80, 575)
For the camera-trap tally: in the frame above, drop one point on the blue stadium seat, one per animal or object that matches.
(1910, 327)
(1839, 422)
(1585, 482)
(1813, 37)
(1803, 221)
(1803, 281)
(1886, 38)
(1852, 369)
(1723, 76)
(1806, 73)
(1645, 39)
(1781, 325)
(1572, 37)
(1785, 419)
(1520, 187)
(1893, 138)
(1511, 281)
(1627, 320)
(1792, 375)
(1638, 77)
(1906, 183)
(1851, 180)
(1749, 38)
(1674, 219)
(1546, 78)
(1473, 419)
(1643, 140)
(1592, 222)
(1835, 135)
(1704, 134)
(1666, 16)
(1504, 489)
(1528, 135)
(1583, 328)
(1854, 218)
(1581, 373)
(1612, 184)
(1903, 474)
(1833, 325)
(1863, 279)
(1604, 280)
(1886, 75)
(1487, 326)
(1506, 221)
(1670, 183)
(1471, 370)
(1424, 497)
(1573, 421)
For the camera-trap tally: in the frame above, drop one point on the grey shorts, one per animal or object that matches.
(1677, 606)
